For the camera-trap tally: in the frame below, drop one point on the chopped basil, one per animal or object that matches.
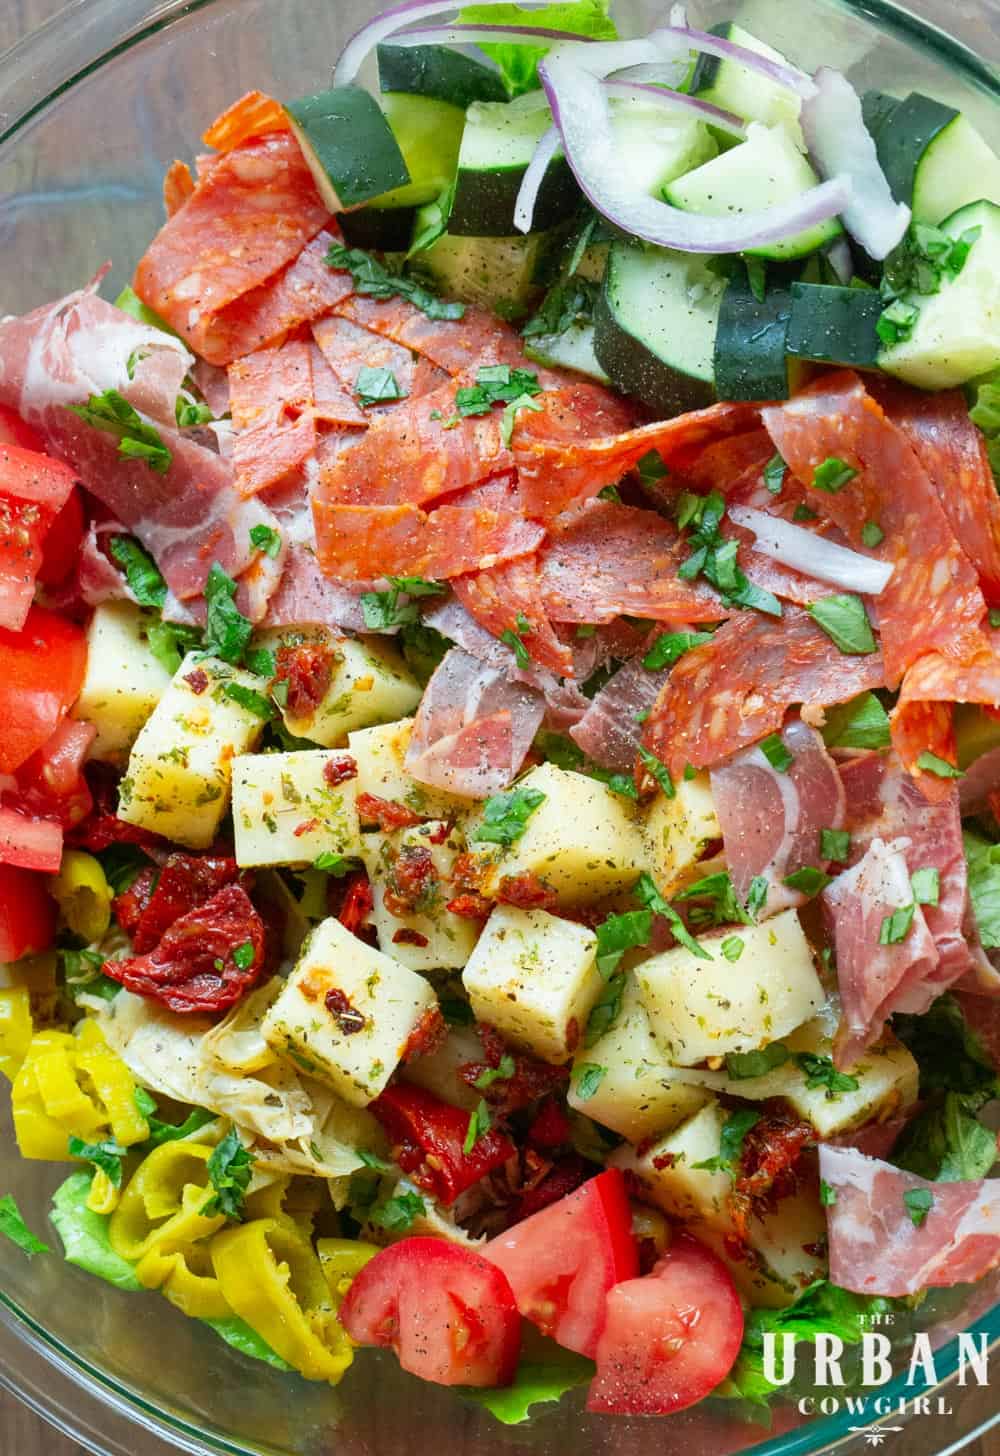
(188, 413)
(523, 401)
(833, 475)
(669, 647)
(112, 413)
(827, 1194)
(757, 896)
(266, 539)
(587, 1077)
(13, 1227)
(659, 771)
(169, 1132)
(732, 947)
(505, 816)
(516, 644)
(227, 631)
(479, 1126)
(170, 642)
(243, 955)
(106, 1156)
(718, 901)
(382, 612)
(741, 1066)
(501, 1073)
(496, 384)
(714, 557)
(777, 754)
(872, 534)
(835, 844)
(373, 279)
(376, 386)
(417, 586)
(896, 927)
(252, 701)
(605, 1011)
(820, 1072)
(734, 1131)
(648, 895)
(931, 763)
(230, 1168)
(399, 1213)
(619, 933)
(803, 513)
(141, 572)
(261, 661)
(651, 470)
(335, 864)
(809, 880)
(919, 1202)
(926, 885)
(845, 621)
(860, 723)
(774, 474)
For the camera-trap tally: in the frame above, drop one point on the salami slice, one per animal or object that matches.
(348, 349)
(458, 346)
(933, 600)
(252, 115)
(359, 543)
(178, 185)
(736, 689)
(922, 719)
(509, 598)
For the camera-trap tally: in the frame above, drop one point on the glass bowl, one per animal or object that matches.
(93, 108)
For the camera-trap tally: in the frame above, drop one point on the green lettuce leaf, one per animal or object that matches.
(984, 887)
(519, 63)
(84, 1234)
(237, 1333)
(545, 1374)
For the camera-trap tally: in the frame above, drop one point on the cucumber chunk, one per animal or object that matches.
(835, 325)
(502, 274)
(429, 134)
(655, 325)
(498, 143)
(957, 332)
(436, 71)
(735, 88)
(378, 229)
(935, 159)
(655, 148)
(349, 146)
(750, 345)
(572, 349)
(766, 169)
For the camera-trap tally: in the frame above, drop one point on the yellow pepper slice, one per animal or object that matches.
(62, 1096)
(273, 1280)
(161, 1206)
(341, 1260)
(82, 894)
(115, 1086)
(16, 1029)
(41, 1133)
(103, 1196)
(188, 1280)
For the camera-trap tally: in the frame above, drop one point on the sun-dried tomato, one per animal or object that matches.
(527, 892)
(530, 1080)
(550, 1126)
(386, 813)
(428, 1139)
(566, 1175)
(308, 670)
(356, 902)
(185, 882)
(470, 906)
(405, 936)
(197, 681)
(344, 1012)
(412, 883)
(340, 770)
(131, 904)
(102, 828)
(206, 960)
(770, 1164)
(440, 834)
(427, 1036)
(468, 873)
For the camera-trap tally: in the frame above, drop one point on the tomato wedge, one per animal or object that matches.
(41, 673)
(61, 549)
(670, 1337)
(27, 915)
(34, 490)
(562, 1261)
(34, 844)
(447, 1312)
(13, 431)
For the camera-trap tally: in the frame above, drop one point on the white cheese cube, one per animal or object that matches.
(346, 1013)
(380, 754)
(286, 811)
(180, 768)
(534, 977)
(429, 937)
(124, 681)
(440, 1072)
(669, 1177)
(678, 831)
(582, 840)
(784, 1254)
(705, 1008)
(369, 683)
(637, 1095)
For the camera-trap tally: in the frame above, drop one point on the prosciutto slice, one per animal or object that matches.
(735, 690)
(877, 980)
(772, 820)
(933, 600)
(473, 728)
(611, 729)
(359, 543)
(875, 1246)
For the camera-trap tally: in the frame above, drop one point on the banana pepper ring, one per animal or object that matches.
(83, 894)
(162, 1206)
(188, 1280)
(341, 1260)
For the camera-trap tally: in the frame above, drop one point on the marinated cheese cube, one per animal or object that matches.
(180, 768)
(289, 808)
(380, 754)
(667, 1170)
(704, 1008)
(124, 681)
(413, 867)
(784, 1253)
(347, 1012)
(637, 1095)
(678, 831)
(583, 840)
(534, 977)
(369, 683)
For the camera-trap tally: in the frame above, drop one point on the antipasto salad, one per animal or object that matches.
(500, 679)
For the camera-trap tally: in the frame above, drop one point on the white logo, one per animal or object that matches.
(878, 1435)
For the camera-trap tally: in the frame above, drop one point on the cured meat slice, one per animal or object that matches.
(610, 560)
(877, 1248)
(272, 395)
(733, 691)
(178, 185)
(726, 463)
(348, 349)
(772, 819)
(611, 729)
(247, 219)
(305, 596)
(473, 728)
(953, 453)
(582, 440)
(508, 599)
(922, 719)
(252, 115)
(360, 543)
(933, 600)
(878, 979)
(458, 346)
(332, 404)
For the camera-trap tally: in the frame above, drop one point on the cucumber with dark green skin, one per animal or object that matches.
(349, 146)
(378, 229)
(436, 71)
(835, 325)
(498, 144)
(877, 108)
(935, 159)
(915, 123)
(750, 360)
(731, 86)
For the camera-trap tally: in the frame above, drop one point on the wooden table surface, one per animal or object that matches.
(21, 1432)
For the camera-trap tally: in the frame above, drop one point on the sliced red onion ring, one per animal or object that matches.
(840, 142)
(485, 34)
(360, 46)
(604, 56)
(524, 208)
(580, 111)
(839, 257)
(672, 38)
(676, 101)
(655, 73)
(807, 552)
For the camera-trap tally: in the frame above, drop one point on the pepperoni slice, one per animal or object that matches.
(348, 349)
(252, 115)
(271, 394)
(736, 689)
(922, 720)
(360, 543)
(933, 600)
(508, 598)
(247, 219)
(178, 185)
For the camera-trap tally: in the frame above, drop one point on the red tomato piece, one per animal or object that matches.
(562, 1261)
(61, 550)
(41, 673)
(670, 1337)
(51, 784)
(34, 844)
(429, 1136)
(13, 431)
(447, 1312)
(34, 489)
(27, 914)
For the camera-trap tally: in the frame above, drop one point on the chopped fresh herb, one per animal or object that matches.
(774, 474)
(587, 1077)
(651, 470)
(230, 1168)
(925, 258)
(266, 539)
(777, 754)
(926, 885)
(861, 723)
(983, 858)
(605, 1011)
(496, 384)
(141, 572)
(757, 896)
(808, 880)
(227, 631)
(669, 647)
(659, 771)
(523, 401)
(648, 895)
(399, 1213)
(845, 621)
(896, 322)
(947, 1143)
(334, 864)
(567, 303)
(169, 1132)
(479, 1126)
(505, 816)
(261, 661)
(417, 586)
(516, 644)
(827, 1194)
(375, 280)
(376, 386)
(112, 413)
(833, 475)
(714, 557)
(106, 1156)
(919, 1202)
(121, 864)
(243, 955)
(189, 413)
(455, 1011)
(994, 616)
(501, 1073)
(733, 947)
(757, 277)
(835, 844)
(423, 648)
(803, 513)
(145, 1103)
(931, 763)
(382, 612)
(734, 1131)
(741, 1066)
(896, 927)
(170, 642)
(252, 701)
(610, 493)
(872, 535)
(620, 933)
(13, 1227)
(619, 783)
(718, 903)
(820, 1072)
(371, 1160)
